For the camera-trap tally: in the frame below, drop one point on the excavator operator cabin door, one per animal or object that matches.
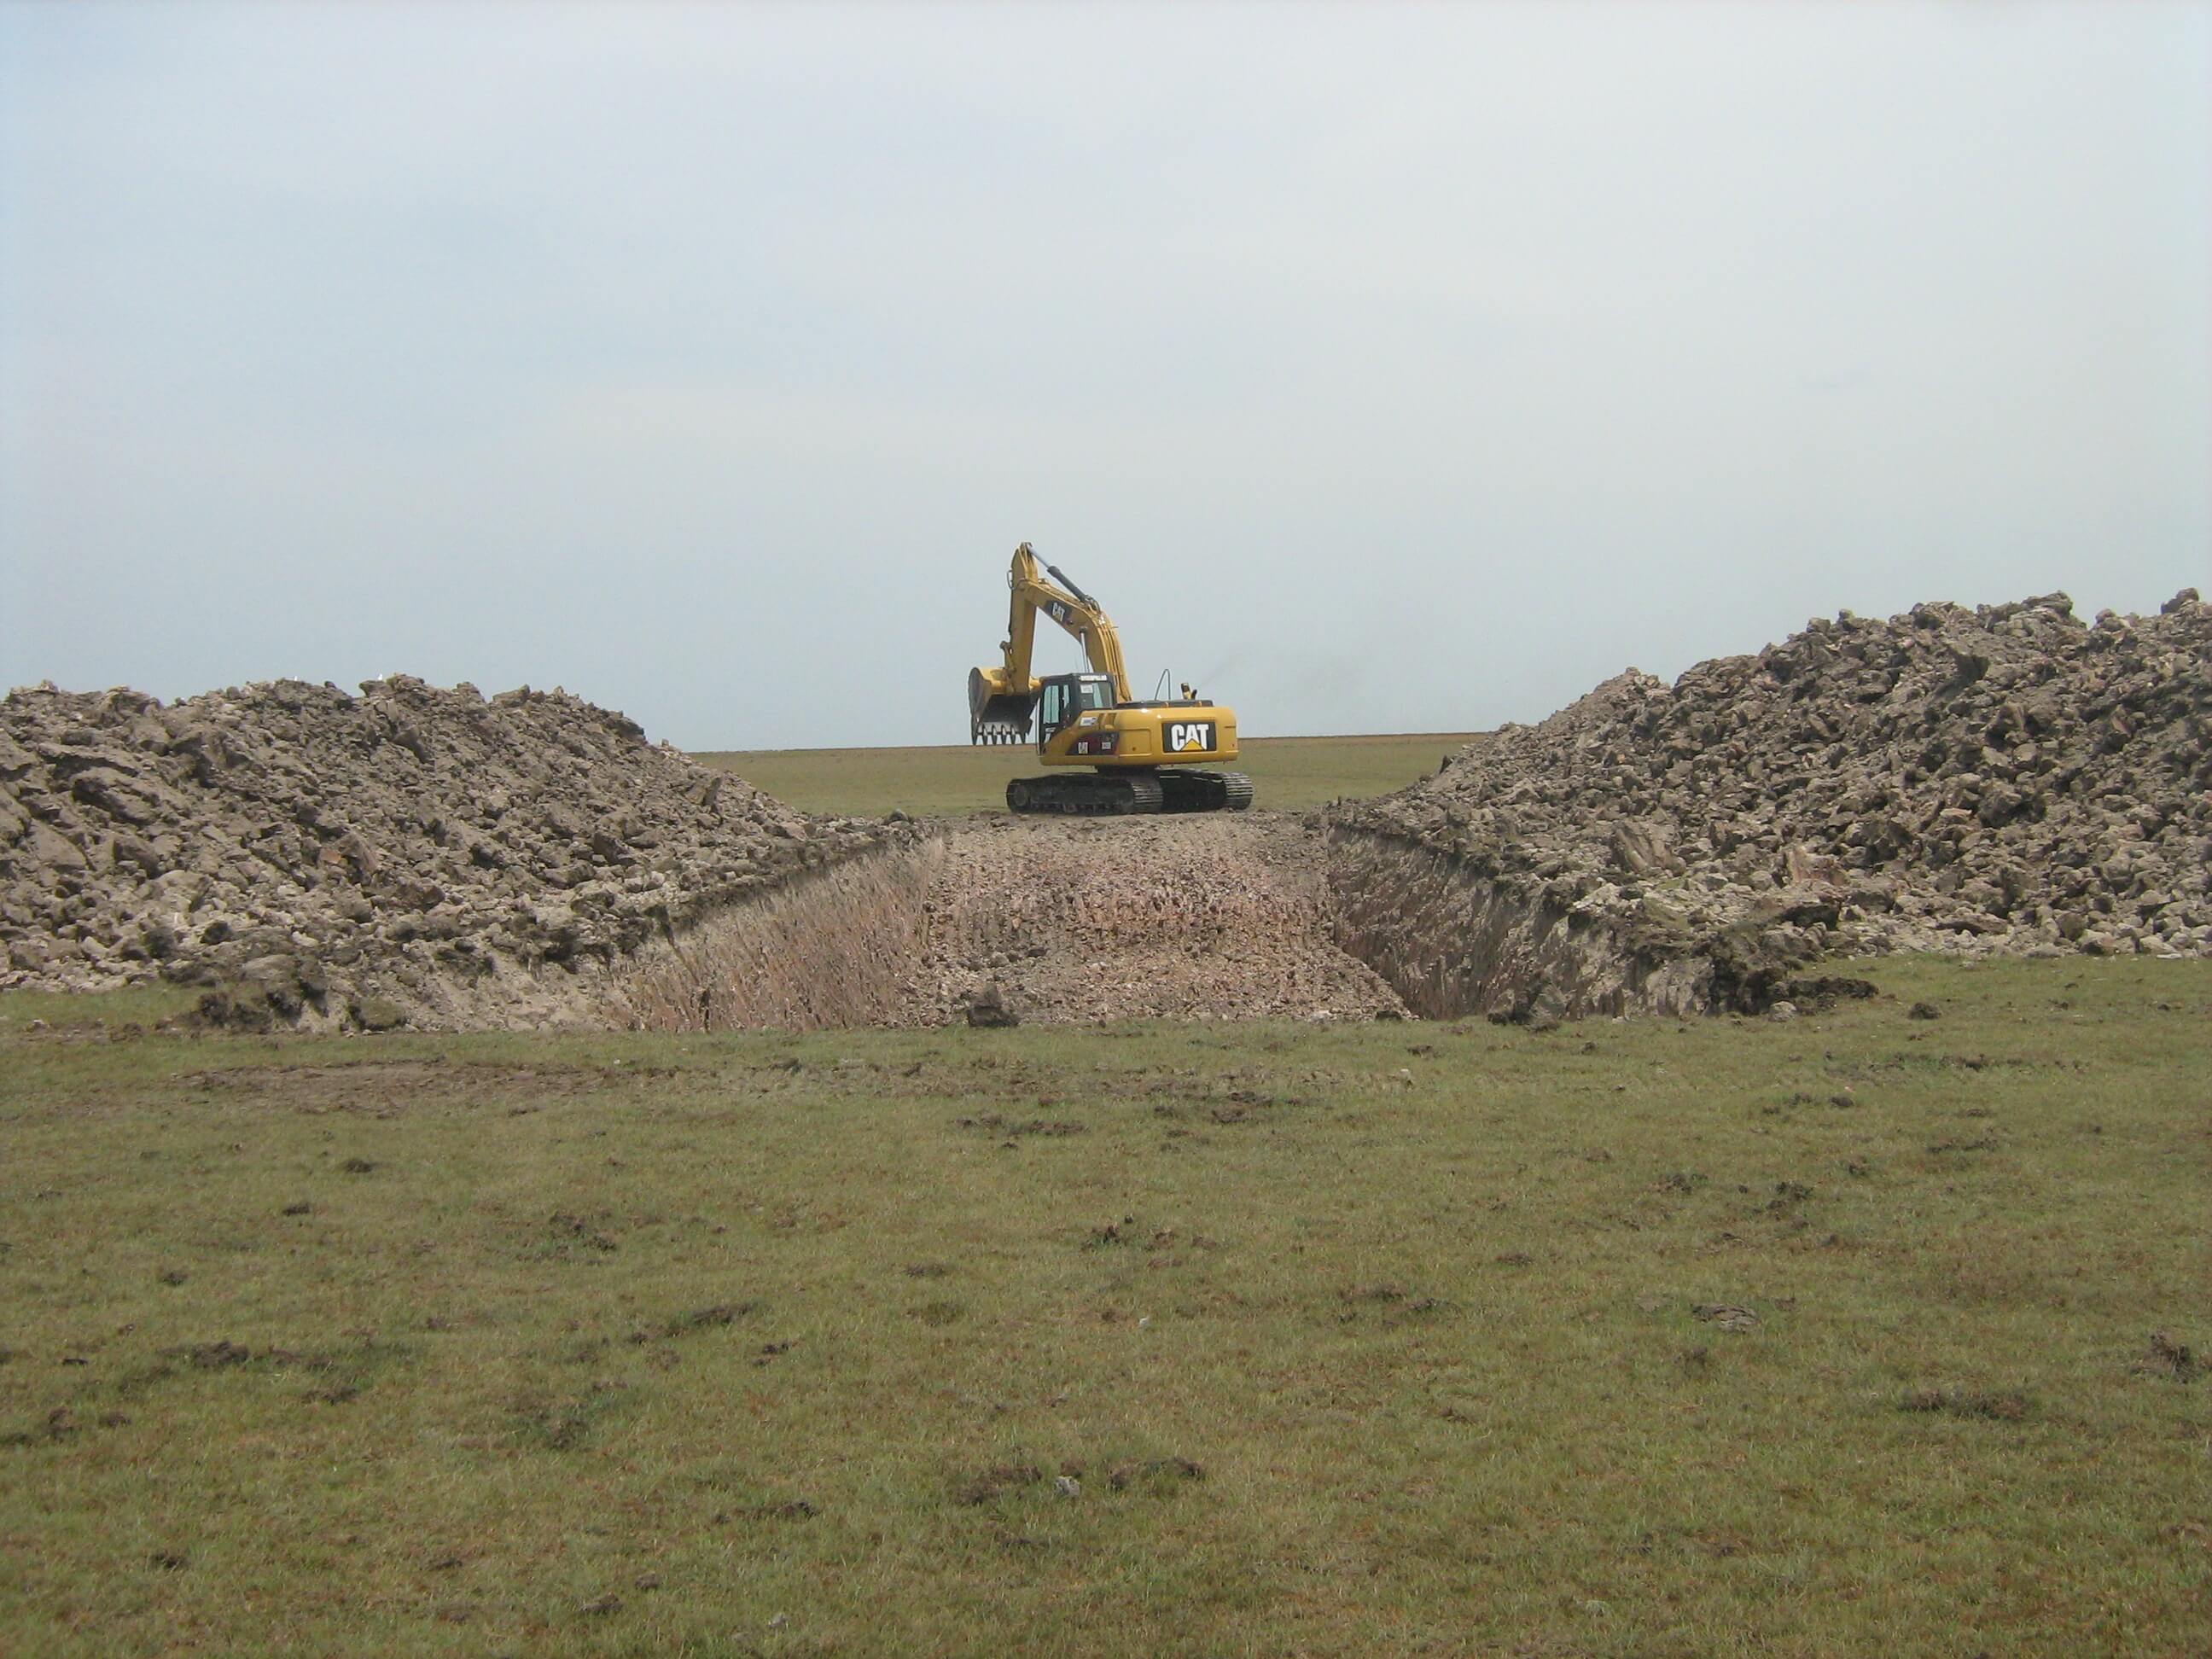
(1054, 712)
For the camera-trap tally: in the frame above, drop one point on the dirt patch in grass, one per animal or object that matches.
(1171, 1471)
(571, 1237)
(1994, 1407)
(1964, 1144)
(214, 1356)
(569, 1423)
(1007, 1128)
(385, 1088)
(2163, 1357)
(995, 1482)
(1157, 1475)
(707, 1319)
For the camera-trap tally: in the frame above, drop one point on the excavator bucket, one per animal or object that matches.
(996, 716)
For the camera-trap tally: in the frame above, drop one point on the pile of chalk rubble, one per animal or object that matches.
(410, 854)
(2008, 779)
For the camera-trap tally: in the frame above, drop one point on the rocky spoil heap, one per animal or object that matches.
(2003, 779)
(412, 853)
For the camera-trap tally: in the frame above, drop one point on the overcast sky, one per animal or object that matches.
(1379, 368)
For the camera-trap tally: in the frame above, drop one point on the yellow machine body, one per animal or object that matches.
(1141, 749)
(1156, 734)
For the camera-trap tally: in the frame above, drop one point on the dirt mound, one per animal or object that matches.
(2004, 778)
(410, 854)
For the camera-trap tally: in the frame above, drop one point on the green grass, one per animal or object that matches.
(1356, 1339)
(113, 1012)
(1291, 774)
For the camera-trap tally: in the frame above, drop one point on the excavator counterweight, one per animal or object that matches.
(1141, 754)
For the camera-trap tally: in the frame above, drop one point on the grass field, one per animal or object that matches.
(1291, 774)
(1834, 1336)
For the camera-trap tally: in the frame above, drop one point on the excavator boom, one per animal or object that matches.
(1001, 701)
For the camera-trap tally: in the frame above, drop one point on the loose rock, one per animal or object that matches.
(409, 856)
(2006, 780)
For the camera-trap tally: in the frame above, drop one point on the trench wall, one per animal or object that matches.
(851, 946)
(1452, 942)
(829, 950)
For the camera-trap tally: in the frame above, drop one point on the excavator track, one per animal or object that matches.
(1117, 793)
(1205, 791)
(1121, 793)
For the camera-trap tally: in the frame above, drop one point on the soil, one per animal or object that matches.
(1205, 917)
(1037, 920)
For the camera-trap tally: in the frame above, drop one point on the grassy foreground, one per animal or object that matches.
(1834, 1336)
(1291, 774)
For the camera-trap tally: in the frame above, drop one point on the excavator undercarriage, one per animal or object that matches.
(1163, 789)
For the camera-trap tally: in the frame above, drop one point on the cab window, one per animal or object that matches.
(1055, 707)
(1095, 694)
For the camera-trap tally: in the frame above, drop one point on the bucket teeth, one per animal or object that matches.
(999, 720)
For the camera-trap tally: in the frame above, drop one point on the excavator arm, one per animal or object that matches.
(1001, 700)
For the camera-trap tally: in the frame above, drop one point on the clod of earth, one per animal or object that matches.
(2163, 1357)
(1726, 1315)
(986, 1009)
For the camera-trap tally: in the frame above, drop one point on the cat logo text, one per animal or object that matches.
(1189, 736)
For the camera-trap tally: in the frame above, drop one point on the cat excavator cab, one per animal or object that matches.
(1141, 756)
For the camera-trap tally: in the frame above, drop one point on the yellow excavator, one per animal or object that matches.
(1143, 756)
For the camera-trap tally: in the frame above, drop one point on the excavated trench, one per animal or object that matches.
(1258, 915)
(1453, 943)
